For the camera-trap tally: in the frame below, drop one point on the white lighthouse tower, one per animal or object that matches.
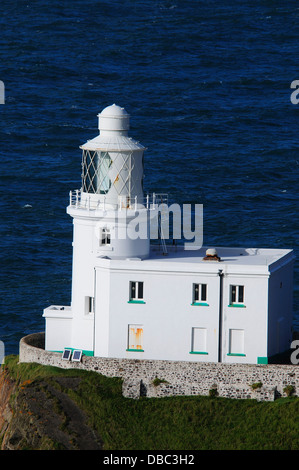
(105, 212)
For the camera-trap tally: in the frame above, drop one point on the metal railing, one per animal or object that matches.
(123, 202)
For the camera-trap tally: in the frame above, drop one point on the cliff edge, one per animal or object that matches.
(40, 415)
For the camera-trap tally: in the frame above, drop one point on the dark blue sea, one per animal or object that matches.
(208, 87)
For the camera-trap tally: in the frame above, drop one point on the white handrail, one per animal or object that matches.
(124, 202)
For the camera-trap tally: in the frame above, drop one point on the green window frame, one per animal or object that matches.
(199, 294)
(236, 296)
(136, 292)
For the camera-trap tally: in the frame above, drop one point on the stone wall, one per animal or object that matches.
(175, 377)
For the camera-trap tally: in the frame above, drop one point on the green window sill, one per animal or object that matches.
(237, 305)
(201, 304)
(236, 354)
(136, 302)
(135, 350)
(198, 352)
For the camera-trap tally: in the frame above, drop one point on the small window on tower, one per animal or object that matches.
(136, 292)
(89, 305)
(105, 236)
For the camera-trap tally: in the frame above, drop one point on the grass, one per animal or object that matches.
(174, 423)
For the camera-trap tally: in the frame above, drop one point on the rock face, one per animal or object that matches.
(41, 416)
(7, 388)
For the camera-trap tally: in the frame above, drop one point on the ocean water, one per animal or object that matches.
(207, 85)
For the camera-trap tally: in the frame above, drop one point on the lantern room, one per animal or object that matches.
(112, 163)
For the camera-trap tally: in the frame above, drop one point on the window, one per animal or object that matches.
(104, 181)
(236, 343)
(135, 338)
(95, 176)
(199, 341)
(105, 237)
(199, 296)
(89, 305)
(236, 296)
(136, 292)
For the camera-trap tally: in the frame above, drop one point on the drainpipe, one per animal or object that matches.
(94, 309)
(220, 274)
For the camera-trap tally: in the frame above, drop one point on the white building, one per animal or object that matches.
(129, 300)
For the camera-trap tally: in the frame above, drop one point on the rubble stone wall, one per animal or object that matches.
(156, 378)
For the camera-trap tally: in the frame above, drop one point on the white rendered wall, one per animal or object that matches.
(86, 252)
(167, 316)
(102, 311)
(82, 284)
(252, 318)
(57, 333)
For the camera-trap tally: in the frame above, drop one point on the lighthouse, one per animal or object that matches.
(111, 191)
(130, 301)
(106, 212)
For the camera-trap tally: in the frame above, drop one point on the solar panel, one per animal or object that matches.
(66, 355)
(77, 354)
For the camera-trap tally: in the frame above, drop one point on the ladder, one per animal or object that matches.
(160, 218)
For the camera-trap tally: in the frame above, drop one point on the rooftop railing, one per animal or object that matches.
(87, 202)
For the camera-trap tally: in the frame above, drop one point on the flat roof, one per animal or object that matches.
(235, 259)
(247, 256)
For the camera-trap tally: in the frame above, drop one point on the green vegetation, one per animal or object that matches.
(213, 393)
(289, 390)
(157, 382)
(256, 385)
(174, 423)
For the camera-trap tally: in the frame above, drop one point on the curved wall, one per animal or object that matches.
(179, 378)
